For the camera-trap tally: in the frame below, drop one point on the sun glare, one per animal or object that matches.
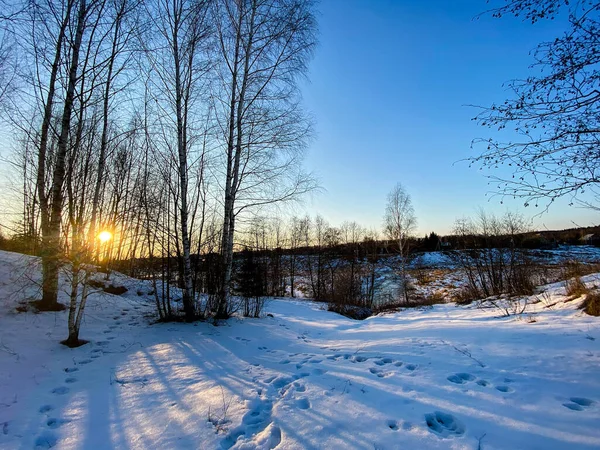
(105, 236)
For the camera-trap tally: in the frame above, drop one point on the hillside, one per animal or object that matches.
(300, 378)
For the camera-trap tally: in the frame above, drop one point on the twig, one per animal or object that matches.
(465, 352)
(479, 447)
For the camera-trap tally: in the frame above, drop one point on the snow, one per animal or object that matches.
(445, 377)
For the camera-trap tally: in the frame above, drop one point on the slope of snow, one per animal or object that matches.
(446, 377)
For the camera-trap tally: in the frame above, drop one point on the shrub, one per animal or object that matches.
(591, 304)
(574, 287)
(353, 312)
(466, 295)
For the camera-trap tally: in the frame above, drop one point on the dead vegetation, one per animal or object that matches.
(591, 304)
(575, 288)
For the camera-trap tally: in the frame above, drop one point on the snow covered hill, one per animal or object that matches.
(447, 377)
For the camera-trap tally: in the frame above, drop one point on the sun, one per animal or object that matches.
(105, 236)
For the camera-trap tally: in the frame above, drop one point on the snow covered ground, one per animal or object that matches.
(447, 377)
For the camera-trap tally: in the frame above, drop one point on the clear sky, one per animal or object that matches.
(389, 89)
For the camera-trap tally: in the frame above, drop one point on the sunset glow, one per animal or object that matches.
(105, 236)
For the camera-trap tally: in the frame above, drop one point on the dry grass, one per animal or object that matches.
(591, 304)
(425, 277)
(573, 269)
(576, 288)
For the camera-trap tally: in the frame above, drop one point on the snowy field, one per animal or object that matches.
(443, 378)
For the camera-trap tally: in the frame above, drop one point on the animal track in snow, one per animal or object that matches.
(393, 425)
(85, 361)
(303, 403)
(61, 390)
(581, 401)
(357, 358)
(256, 427)
(46, 408)
(71, 380)
(299, 387)
(505, 389)
(383, 361)
(71, 369)
(56, 423)
(411, 367)
(578, 403)
(46, 440)
(483, 383)
(444, 424)
(380, 373)
(460, 378)
(280, 382)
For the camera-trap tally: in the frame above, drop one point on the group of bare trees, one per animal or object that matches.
(162, 122)
(489, 250)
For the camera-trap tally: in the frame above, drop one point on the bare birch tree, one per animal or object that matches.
(180, 65)
(264, 47)
(399, 224)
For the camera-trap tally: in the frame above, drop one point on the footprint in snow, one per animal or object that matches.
(483, 383)
(85, 361)
(71, 369)
(444, 424)
(504, 389)
(70, 380)
(299, 387)
(256, 423)
(578, 403)
(384, 361)
(356, 359)
(61, 390)
(303, 403)
(393, 425)
(46, 408)
(411, 367)
(460, 378)
(380, 373)
(46, 440)
(56, 423)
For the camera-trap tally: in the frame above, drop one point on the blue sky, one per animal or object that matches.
(389, 88)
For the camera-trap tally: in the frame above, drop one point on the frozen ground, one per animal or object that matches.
(447, 377)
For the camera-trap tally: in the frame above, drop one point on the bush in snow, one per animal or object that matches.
(591, 304)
